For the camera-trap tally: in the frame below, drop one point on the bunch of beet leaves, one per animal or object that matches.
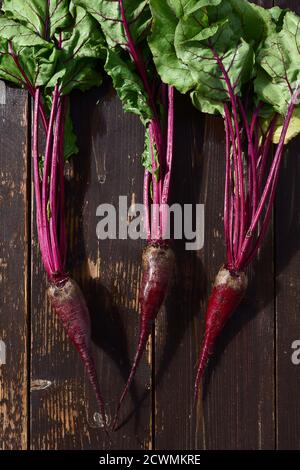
(49, 48)
(126, 25)
(242, 62)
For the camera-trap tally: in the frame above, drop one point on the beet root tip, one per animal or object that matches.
(227, 293)
(157, 269)
(69, 304)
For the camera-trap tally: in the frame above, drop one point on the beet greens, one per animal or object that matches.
(126, 25)
(240, 61)
(49, 48)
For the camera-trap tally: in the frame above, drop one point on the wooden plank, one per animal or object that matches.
(13, 267)
(237, 406)
(288, 301)
(288, 293)
(108, 166)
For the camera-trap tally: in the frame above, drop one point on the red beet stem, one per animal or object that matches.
(228, 291)
(68, 302)
(158, 264)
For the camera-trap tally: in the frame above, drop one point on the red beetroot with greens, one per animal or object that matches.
(247, 204)
(238, 60)
(158, 256)
(52, 41)
(134, 77)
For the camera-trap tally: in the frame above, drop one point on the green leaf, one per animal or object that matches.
(70, 140)
(207, 47)
(119, 64)
(293, 129)
(212, 47)
(45, 43)
(256, 21)
(49, 213)
(108, 14)
(192, 6)
(69, 59)
(279, 60)
(22, 36)
(271, 19)
(41, 165)
(81, 75)
(82, 45)
(170, 68)
(43, 17)
(186, 7)
(8, 69)
(37, 62)
(83, 39)
(206, 105)
(147, 156)
(20, 42)
(128, 86)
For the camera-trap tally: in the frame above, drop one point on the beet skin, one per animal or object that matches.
(228, 291)
(157, 270)
(68, 302)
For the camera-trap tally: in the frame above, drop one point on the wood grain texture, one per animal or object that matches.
(13, 268)
(288, 292)
(62, 415)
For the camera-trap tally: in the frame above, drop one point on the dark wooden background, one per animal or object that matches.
(251, 392)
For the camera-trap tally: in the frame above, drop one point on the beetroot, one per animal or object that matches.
(228, 291)
(57, 53)
(68, 302)
(158, 265)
